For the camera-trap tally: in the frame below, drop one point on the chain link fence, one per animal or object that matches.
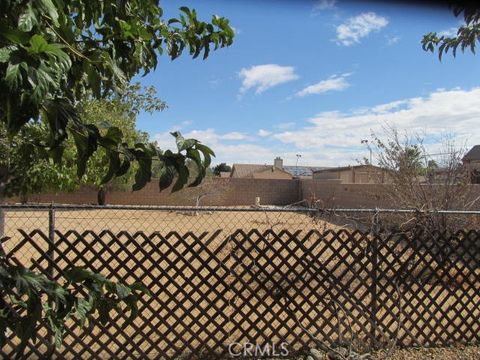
(221, 277)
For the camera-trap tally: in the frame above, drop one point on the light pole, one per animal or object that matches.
(298, 157)
(369, 149)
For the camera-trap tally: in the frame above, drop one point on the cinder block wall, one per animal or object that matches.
(238, 192)
(233, 192)
(329, 194)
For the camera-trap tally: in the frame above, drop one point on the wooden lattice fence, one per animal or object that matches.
(212, 289)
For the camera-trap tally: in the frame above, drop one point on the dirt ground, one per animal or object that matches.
(453, 353)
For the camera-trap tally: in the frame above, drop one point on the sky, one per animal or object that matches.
(315, 78)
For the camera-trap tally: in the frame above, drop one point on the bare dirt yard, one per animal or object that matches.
(453, 353)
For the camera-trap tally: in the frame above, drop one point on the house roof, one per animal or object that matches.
(473, 154)
(247, 170)
(341, 168)
(298, 171)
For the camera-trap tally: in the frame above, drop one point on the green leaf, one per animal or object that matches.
(38, 44)
(138, 286)
(182, 179)
(207, 154)
(167, 174)
(123, 168)
(50, 9)
(6, 52)
(182, 143)
(83, 309)
(131, 302)
(103, 308)
(198, 180)
(122, 291)
(13, 76)
(113, 168)
(13, 35)
(27, 20)
(86, 140)
(77, 275)
(115, 134)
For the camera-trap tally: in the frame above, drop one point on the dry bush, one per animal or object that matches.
(416, 181)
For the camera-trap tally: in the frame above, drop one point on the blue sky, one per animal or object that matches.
(315, 78)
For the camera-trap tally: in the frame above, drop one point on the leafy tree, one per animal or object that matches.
(467, 35)
(34, 174)
(222, 167)
(121, 110)
(54, 54)
(26, 169)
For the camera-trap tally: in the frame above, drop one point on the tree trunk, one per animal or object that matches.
(101, 197)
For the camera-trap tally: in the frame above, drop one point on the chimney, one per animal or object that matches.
(278, 162)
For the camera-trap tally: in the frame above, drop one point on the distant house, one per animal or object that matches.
(471, 161)
(254, 171)
(275, 171)
(359, 174)
(224, 174)
(303, 172)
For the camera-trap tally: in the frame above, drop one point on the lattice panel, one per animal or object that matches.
(214, 288)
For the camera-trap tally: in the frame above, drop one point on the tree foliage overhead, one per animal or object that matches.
(33, 172)
(467, 35)
(53, 53)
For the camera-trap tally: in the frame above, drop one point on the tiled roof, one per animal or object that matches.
(473, 154)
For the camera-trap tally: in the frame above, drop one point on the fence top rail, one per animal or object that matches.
(232, 209)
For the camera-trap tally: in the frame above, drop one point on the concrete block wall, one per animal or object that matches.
(331, 194)
(234, 192)
(242, 192)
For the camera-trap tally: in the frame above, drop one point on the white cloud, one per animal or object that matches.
(264, 77)
(285, 125)
(443, 112)
(321, 5)
(451, 32)
(333, 138)
(264, 133)
(358, 27)
(244, 151)
(383, 108)
(333, 83)
(392, 40)
(234, 136)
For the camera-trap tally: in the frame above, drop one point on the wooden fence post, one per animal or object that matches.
(373, 292)
(50, 270)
